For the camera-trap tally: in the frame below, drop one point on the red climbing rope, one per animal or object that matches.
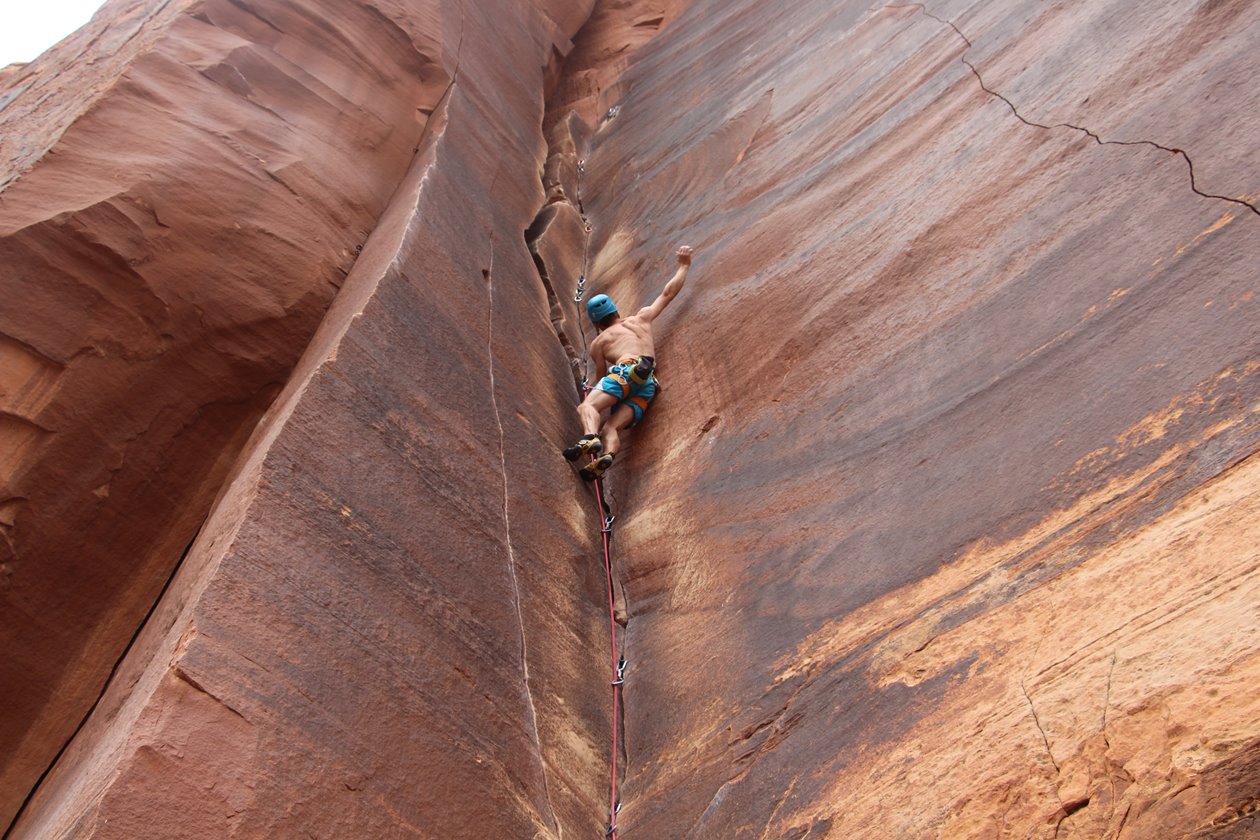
(618, 664)
(606, 521)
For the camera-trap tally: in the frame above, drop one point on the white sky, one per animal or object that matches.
(28, 27)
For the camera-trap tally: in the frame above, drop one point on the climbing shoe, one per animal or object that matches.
(596, 469)
(586, 445)
(642, 370)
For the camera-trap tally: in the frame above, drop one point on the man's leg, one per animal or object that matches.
(588, 412)
(617, 423)
(621, 418)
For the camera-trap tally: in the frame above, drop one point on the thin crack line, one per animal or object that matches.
(507, 532)
(775, 813)
(1172, 150)
(1107, 699)
(1037, 721)
(1106, 757)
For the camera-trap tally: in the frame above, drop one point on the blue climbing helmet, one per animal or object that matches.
(600, 307)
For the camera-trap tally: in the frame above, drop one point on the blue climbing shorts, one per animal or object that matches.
(618, 383)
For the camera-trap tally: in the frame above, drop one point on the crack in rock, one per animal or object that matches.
(1037, 721)
(1087, 132)
(487, 275)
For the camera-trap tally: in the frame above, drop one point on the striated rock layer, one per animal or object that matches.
(943, 525)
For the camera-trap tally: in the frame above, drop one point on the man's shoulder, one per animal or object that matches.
(639, 325)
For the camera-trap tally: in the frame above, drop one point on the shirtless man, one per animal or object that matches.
(630, 384)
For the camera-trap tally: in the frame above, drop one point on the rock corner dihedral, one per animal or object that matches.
(945, 525)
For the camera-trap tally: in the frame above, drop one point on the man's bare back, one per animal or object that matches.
(628, 337)
(622, 344)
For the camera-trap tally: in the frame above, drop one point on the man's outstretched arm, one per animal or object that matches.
(672, 288)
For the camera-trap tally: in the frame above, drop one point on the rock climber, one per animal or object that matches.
(630, 383)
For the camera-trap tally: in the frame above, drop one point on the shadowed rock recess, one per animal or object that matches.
(945, 525)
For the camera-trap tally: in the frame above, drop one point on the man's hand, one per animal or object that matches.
(672, 288)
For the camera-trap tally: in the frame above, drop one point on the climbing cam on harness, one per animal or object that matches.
(642, 370)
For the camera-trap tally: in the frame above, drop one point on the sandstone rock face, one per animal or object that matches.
(944, 524)
(376, 633)
(215, 168)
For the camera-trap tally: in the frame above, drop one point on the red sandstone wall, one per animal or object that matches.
(180, 203)
(943, 526)
(945, 523)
